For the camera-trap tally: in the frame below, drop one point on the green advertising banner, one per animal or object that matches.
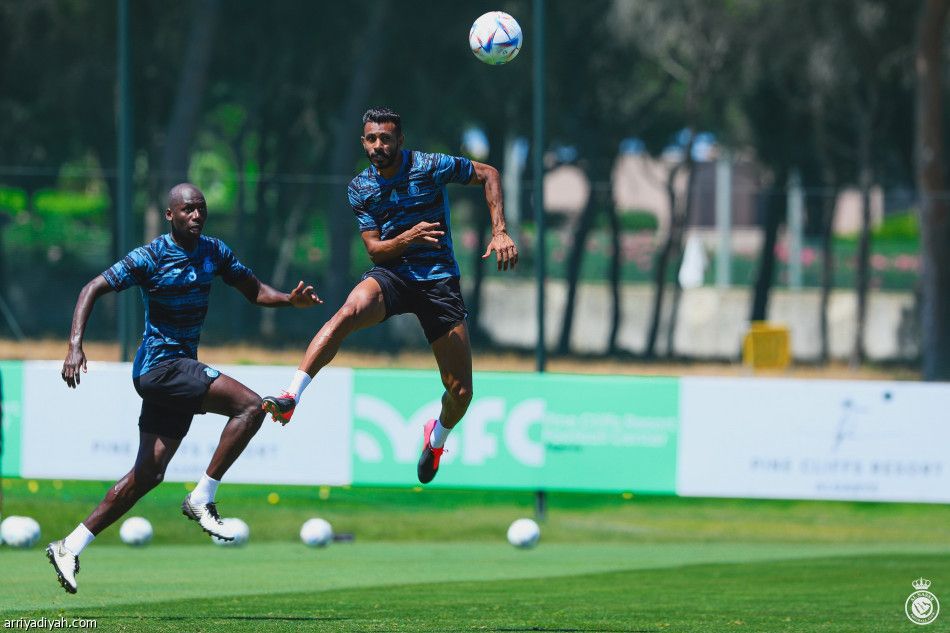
(522, 431)
(11, 392)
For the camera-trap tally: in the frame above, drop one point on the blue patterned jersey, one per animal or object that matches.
(175, 285)
(415, 194)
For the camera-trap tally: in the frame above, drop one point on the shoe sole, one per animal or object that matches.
(271, 407)
(59, 575)
(192, 516)
(421, 475)
(426, 430)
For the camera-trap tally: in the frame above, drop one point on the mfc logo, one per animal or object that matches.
(472, 442)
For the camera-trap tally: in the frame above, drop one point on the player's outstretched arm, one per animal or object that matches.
(259, 293)
(506, 252)
(75, 363)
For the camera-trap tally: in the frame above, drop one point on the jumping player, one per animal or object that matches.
(403, 215)
(174, 273)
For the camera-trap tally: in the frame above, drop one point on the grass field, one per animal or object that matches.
(436, 560)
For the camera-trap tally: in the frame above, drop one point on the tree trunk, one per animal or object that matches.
(481, 221)
(827, 269)
(931, 188)
(191, 87)
(239, 304)
(285, 255)
(674, 242)
(763, 281)
(616, 261)
(574, 262)
(346, 147)
(864, 243)
(677, 288)
(829, 199)
(659, 271)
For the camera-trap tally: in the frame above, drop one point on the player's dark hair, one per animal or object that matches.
(383, 115)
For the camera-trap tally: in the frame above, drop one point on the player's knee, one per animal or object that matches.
(460, 392)
(252, 411)
(346, 316)
(147, 478)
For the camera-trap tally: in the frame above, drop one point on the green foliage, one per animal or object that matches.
(899, 227)
(71, 204)
(214, 174)
(12, 199)
(638, 220)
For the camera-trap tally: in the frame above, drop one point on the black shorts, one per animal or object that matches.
(438, 304)
(172, 394)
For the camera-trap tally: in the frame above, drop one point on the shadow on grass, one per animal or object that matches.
(239, 618)
(549, 630)
(290, 618)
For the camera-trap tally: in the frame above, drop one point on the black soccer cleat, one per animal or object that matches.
(281, 408)
(429, 460)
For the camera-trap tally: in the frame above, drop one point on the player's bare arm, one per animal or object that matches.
(506, 252)
(75, 363)
(260, 294)
(381, 251)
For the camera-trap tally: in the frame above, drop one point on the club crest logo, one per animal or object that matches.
(922, 607)
(208, 265)
(413, 189)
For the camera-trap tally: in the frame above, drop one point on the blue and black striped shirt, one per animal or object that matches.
(175, 285)
(415, 194)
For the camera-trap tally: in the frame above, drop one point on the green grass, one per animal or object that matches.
(435, 560)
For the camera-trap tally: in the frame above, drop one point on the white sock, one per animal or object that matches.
(78, 539)
(299, 382)
(439, 434)
(204, 490)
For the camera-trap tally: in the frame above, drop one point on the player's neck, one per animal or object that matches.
(185, 242)
(392, 170)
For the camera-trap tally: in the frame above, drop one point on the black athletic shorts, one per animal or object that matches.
(437, 304)
(172, 394)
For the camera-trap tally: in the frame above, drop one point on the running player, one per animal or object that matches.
(403, 215)
(174, 272)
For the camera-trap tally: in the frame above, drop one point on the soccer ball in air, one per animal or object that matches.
(236, 528)
(19, 532)
(316, 533)
(524, 533)
(136, 531)
(495, 38)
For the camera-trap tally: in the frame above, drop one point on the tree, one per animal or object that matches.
(932, 190)
(624, 100)
(699, 44)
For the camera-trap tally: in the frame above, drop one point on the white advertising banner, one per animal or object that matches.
(92, 432)
(801, 439)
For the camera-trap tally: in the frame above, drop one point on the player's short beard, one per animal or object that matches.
(386, 159)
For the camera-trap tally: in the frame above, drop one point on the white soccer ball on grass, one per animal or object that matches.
(20, 532)
(236, 528)
(316, 532)
(524, 533)
(495, 38)
(136, 531)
